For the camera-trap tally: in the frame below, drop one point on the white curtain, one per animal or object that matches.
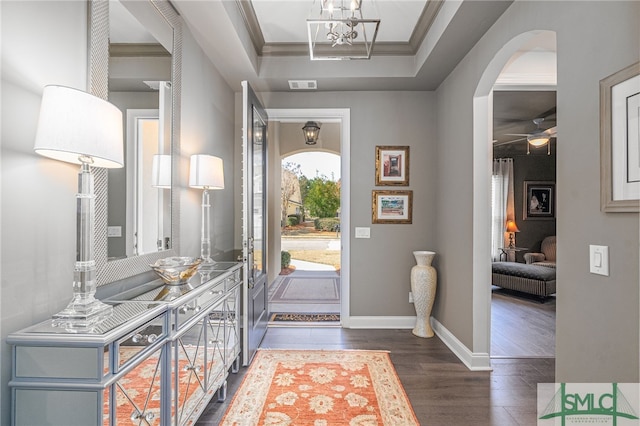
(502, 208)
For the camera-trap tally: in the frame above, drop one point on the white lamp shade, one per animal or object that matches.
(206, 171)
(74, 123)
(161, 171)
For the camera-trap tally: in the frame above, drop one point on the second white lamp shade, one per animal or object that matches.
(206, 172)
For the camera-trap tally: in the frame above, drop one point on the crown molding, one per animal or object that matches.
(409, 48)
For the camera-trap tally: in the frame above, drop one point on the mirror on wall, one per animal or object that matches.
(139, 83)
(142, 200)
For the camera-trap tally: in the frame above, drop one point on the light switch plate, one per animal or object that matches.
(363, 232)
(599, 260)
(114, 231)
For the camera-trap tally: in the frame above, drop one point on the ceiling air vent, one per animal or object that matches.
(303, 84)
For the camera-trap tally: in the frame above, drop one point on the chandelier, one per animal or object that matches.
(341, 32)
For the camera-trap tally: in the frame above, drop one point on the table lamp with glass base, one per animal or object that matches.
(79, 128)
(207, 173)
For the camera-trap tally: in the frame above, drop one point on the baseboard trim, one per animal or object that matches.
(374, 322)
(475, 361)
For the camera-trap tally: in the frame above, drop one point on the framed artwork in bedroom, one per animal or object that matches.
(539, 200)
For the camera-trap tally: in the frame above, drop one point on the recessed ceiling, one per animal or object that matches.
(285, 21)
(264, 42)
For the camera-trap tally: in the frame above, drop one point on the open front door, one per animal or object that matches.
(254, 223)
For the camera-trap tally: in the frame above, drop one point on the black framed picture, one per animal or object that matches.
(539, 200)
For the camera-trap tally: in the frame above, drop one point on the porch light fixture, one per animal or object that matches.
(511, 229)
(80, 128)
(340, 32)
(206, 173)
(311, 131)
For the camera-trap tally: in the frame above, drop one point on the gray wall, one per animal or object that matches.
(207, 127)
(38, 195)
(380, 266)
(597, 317)
(45, 43)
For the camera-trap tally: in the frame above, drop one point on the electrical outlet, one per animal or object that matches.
(410, 297)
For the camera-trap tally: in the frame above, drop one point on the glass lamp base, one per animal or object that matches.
(207, 265)
(82, 316)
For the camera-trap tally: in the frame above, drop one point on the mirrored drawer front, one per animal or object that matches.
(129, 348)
(58, 362)
(194, 307)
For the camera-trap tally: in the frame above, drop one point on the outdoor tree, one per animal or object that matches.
(323, 197)
(290, 187)
(304, 187)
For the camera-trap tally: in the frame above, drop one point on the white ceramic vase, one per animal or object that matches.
(423, 286)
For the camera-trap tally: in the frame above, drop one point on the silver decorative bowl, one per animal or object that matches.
(176, 270)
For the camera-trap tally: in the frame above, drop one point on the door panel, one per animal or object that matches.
(255, 306)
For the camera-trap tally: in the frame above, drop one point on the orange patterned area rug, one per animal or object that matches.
(320, 388)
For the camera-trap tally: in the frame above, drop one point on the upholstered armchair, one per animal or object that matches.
(547, 257)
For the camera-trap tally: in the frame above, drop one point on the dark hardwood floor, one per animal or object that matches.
(442, 390)
(521, 325)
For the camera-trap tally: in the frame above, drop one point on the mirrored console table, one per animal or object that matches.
(158, 360)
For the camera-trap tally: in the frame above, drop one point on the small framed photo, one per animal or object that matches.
(392, 165)
(392, 206)
(539, 200)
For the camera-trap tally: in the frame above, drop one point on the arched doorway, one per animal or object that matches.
(482, 150)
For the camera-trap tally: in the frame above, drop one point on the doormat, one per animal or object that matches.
(304, 317)
(294, 387)
(298, 290)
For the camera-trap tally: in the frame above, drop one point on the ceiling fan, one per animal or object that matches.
(539, 137)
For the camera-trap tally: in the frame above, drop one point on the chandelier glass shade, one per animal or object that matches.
(341, 32)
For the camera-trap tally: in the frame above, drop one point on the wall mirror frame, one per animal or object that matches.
(98, 73)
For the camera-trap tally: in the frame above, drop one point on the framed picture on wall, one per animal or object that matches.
(392, 206)
(620, 141)
(539, 200)
(392, 165)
